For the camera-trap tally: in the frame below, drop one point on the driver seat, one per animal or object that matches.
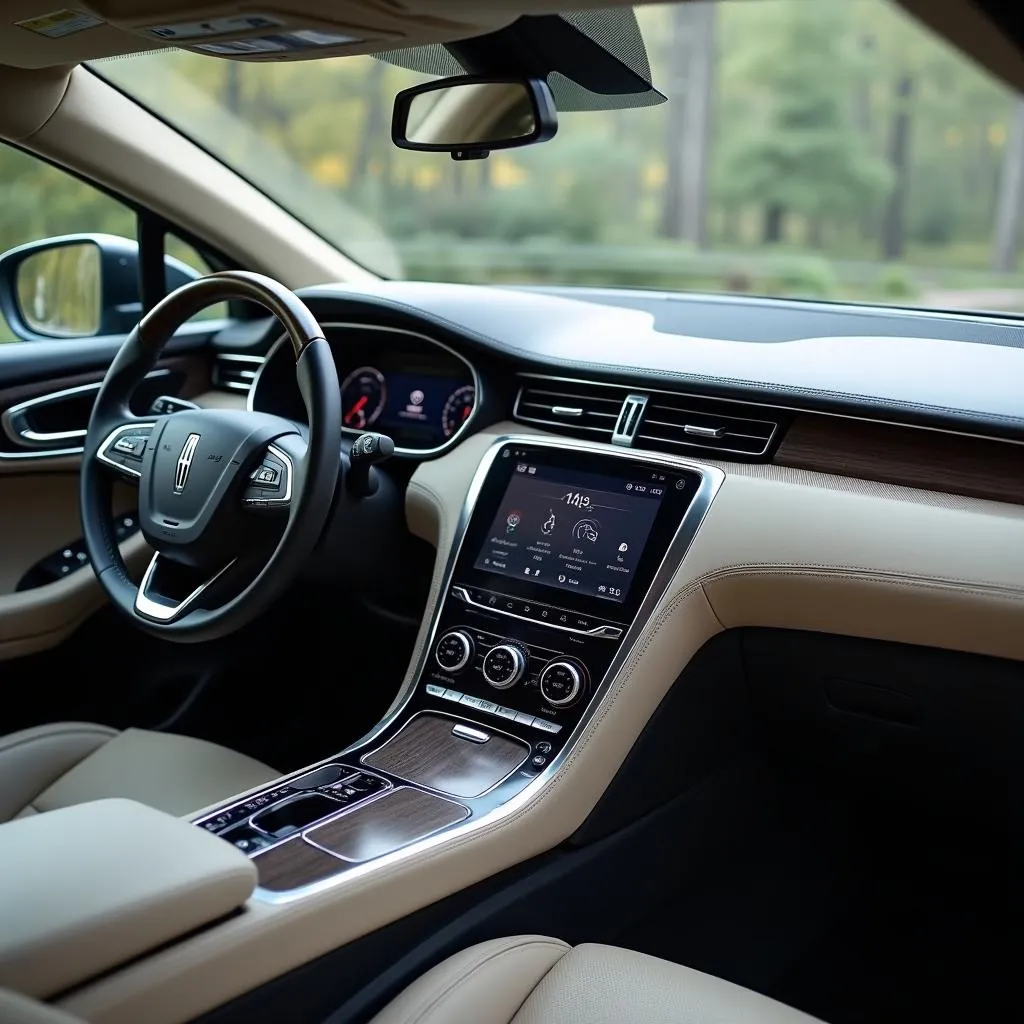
(67, 763)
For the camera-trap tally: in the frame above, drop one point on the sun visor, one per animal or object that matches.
(592, 60)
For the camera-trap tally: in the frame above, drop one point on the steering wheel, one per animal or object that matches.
(232, 502)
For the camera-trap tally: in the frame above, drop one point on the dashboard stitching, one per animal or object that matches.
(673, 375)
(960, 584)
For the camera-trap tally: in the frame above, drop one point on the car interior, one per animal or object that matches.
(395, 650)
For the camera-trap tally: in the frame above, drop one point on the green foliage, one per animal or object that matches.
(896, 283)
(803, 105)
(802, 153)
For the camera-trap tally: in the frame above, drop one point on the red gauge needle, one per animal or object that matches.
(466, 411)
(355, 408)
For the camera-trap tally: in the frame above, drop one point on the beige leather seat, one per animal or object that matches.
(530, 979)
(67, 763)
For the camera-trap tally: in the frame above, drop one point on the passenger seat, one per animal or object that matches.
(530, 979)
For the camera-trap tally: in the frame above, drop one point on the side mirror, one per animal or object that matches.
(76, 286)
(468, 116)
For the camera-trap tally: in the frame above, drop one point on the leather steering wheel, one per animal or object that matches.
(232, 502)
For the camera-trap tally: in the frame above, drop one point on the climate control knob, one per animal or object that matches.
(504, 665)
(562, 682)
(454, 651)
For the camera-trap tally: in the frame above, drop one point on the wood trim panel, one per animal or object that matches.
(934, 461)
(295, 864)
(387, 824)
(427, 753)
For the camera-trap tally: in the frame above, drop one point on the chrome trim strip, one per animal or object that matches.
(348, 860)
(346, 431)
(602, 632)
(711, 481)
(127, 428)
(150, 609)
(764, 407)
(18, 436)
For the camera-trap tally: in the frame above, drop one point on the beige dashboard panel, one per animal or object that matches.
(883, 552)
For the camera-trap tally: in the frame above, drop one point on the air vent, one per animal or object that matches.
(235, 372)
(675, 424)
(573, 406)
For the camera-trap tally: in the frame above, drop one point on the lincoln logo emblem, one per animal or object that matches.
(184, 467)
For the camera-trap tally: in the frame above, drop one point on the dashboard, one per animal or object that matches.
(394, 381)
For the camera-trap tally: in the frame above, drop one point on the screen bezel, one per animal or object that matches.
(492, 493)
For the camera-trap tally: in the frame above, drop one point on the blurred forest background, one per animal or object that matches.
(832, 149)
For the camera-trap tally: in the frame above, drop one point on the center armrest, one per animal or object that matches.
(87, 888)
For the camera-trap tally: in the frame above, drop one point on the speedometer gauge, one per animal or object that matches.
(457, 408)
(363, 393)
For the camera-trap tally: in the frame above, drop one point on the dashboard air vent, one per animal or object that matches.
(672, 424)
(233, 372)
(573, 406)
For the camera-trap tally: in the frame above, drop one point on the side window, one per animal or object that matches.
(177, 249)
(38, 201)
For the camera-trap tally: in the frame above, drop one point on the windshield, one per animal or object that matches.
(832, 150)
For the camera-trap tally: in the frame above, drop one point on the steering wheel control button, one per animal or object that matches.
(124, 448)
(503, 666)
(131, 444)
(561, 683)
(270, 483)
(454, 651)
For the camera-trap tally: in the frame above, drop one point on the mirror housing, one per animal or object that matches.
(470, 115)
(77, 286)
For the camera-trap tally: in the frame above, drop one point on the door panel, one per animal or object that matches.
(41, 601)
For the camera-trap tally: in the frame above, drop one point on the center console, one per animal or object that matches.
(562, 552)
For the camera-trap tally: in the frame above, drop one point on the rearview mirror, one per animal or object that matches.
(77, 286)
(470, 115)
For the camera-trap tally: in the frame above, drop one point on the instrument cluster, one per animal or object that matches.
(393, 381)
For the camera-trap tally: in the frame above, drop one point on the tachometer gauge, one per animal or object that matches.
(457, 408)
(363, 393)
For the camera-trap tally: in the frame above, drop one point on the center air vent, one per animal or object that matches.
(573, 406)
(233, 372)
(673, 424)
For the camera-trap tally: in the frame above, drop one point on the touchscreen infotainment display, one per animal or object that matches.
(573, 530)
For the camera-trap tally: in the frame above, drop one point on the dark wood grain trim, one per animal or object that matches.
(928, 459)
(295, 864)
(387, 824)
(427, 753)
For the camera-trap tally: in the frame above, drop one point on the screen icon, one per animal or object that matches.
(549, 523)
(561, 578)
(623, 546)
(587, 529)
(513, 519)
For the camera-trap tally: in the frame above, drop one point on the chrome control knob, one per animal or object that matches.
(504, 665)
(562, 682)
(454, 651)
